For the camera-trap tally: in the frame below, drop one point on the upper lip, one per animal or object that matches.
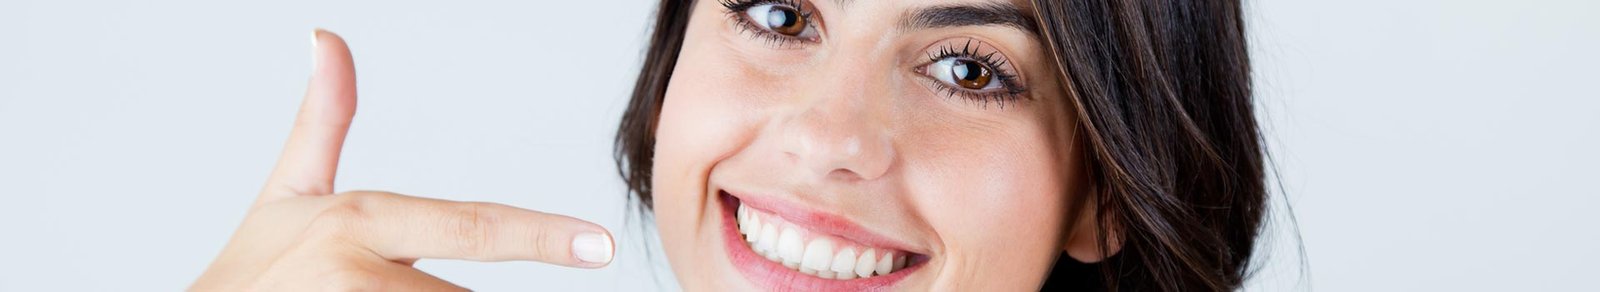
(820, 221)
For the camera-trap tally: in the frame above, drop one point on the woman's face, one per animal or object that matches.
(843, 145)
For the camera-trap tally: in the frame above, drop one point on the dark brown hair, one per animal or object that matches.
(1162, 93)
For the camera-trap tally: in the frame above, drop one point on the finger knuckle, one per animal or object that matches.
(473, 225)
(345, 212)
(541, 244)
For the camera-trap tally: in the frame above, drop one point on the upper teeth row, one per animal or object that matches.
(822, 256)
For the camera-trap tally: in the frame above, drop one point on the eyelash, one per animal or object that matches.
(736, 12)
(1012, 90)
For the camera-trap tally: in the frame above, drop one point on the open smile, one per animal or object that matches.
(777, 245)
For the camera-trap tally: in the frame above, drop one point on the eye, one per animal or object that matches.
(776, 20)
(973, 71)
(964, 73)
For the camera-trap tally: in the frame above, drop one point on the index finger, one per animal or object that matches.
(404, 228)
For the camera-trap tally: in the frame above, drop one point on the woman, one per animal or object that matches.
(851, 145)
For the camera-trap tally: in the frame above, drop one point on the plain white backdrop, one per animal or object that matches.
(1424, 145)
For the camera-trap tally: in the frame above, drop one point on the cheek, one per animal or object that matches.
(693, 130)
(708, 113)
(714, 105)
(706, 116)
(997, 204)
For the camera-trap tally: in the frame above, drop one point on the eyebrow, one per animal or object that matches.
(969, 15)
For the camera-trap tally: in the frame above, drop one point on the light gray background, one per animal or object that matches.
(1425, 145)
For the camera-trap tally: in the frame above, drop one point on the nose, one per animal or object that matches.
(838, 131)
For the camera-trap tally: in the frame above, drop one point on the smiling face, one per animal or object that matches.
(846, 145)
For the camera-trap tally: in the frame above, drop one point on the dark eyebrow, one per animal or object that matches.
(969, 15)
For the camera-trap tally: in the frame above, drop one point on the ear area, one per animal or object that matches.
(1083, 244)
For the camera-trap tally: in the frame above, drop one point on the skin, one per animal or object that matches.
(301, 236)
(847, 126)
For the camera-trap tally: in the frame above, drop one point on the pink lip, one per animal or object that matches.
(775, 276)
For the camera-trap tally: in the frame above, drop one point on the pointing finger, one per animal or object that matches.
(402, 228)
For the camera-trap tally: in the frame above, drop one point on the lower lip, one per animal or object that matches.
(775, 276)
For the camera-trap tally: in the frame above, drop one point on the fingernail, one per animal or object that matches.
(592, 248)
(314, 33)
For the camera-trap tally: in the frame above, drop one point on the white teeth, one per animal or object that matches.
(809, 253)
(818, 256)
(754, 231)
(790, 248)
(885, 263)
(851, 275)
(866, 263)
(844, 264)
(768, 241)
(744, 221)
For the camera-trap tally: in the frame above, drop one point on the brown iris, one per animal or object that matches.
(786, 20)
(970, 74)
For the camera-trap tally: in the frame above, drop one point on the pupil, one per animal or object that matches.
(785, 20)
(966, 69)
(970, 75)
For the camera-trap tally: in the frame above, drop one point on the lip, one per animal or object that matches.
(769, 274)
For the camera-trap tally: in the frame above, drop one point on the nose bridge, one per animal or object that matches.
(837, 129)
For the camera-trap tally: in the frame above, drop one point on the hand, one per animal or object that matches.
(300, 236)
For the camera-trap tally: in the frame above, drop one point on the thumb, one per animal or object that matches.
(311, 156)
